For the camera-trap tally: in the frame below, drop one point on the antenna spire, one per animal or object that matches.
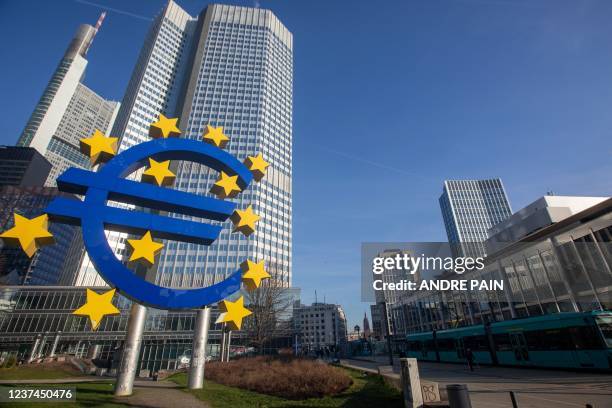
(92, 35)
(100, 21)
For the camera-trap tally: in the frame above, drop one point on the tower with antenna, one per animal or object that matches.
(68, 110)
(49, 111)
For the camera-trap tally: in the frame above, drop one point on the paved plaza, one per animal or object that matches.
(534, 388)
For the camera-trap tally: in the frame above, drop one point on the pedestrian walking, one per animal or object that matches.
(469, 355)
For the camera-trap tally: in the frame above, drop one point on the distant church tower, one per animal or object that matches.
(366, 326)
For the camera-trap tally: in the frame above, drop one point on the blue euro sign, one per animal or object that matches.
(94, 216)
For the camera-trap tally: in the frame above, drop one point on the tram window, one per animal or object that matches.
(502, 342)
(446, 344)
(547, 340)
(605, 325)
(429, 345)
(414, 345)
(475, 343)
(585, 338)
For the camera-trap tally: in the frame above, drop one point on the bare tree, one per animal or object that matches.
(271, 305)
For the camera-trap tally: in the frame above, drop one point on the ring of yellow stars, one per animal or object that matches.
(97, 306)
(164, 127)
(226, 186)
(253, 273)
(158, 173)
(98, 147)
(145, 249)
(232, 313)
(215, 136)
(30, 234)
(257, 165)
(245, 220)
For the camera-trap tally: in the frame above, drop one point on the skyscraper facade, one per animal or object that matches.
(52, 264)
(22, 166)
(68, 110)
(154, 87)
(86, 113)
(469, 209)
(231, 67)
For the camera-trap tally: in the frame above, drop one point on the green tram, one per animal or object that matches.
(562, 340)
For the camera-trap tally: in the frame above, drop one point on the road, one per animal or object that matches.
(534, 388)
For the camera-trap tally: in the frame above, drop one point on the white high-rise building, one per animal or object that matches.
(86, 113)
(232, 67)
(320, 326)
(469, 209)
(68, 110)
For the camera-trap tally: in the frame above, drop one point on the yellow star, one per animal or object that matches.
(215, 136)
(164, 127)
(226, 186)
(158, 173)
(257, 165)
(244, 220)
(97, 306)
(98, 147)
(30, 234)
(253, 273)
(145, 249)
(232, 313)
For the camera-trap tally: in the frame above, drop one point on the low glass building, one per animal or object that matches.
(564, 267)
(31, 317)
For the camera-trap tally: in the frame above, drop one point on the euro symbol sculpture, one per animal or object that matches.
(109, 183)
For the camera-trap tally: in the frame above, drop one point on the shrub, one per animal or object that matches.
(291, 378)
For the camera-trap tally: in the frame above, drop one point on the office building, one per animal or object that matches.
(320, 326)
(32, 317)
(386, 298)
(52, 264)
(469, 209)
(541, 213)
(231, 67)
(86, 113)
(22, 166)
(376, 311)
(565, 266)
(67, 110)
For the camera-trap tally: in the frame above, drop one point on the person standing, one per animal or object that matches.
(469, 355)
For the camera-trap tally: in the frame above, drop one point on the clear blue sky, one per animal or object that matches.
(391, 98)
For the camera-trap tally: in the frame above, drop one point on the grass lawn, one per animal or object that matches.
(99, 395)
(366, 391)
(39, 372)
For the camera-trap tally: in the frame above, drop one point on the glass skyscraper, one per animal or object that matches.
(231, 67)
(68, 110)
(469, 209)
(52, 264)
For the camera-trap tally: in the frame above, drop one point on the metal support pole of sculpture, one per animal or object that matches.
(198, 354)
(131, 351)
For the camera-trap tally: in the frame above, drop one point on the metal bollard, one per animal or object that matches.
(513, 399)
(458, 396)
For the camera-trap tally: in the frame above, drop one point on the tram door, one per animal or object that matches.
(519, 346)
(583, 340)
(460, 348)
